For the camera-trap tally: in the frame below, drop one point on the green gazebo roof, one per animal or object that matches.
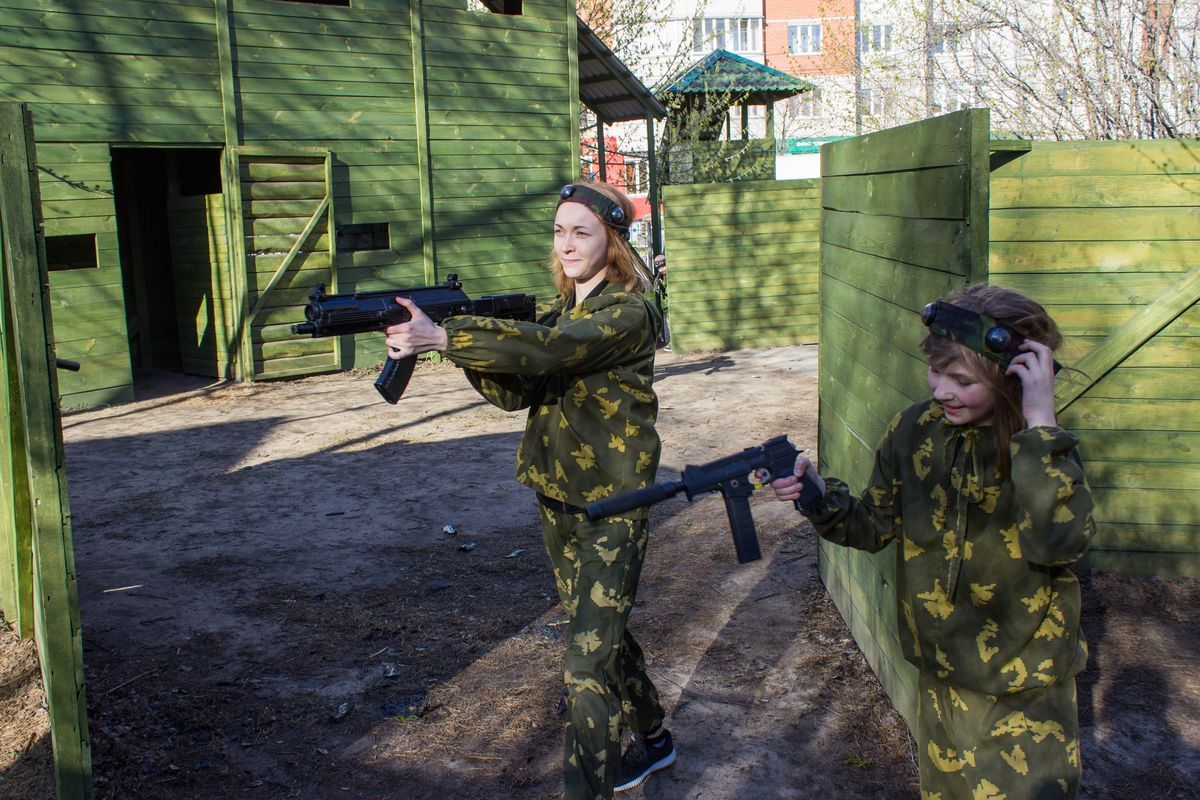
(725, 73)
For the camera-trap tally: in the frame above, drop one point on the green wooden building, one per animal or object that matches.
(203, 164)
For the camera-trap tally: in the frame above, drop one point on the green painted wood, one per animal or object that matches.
(1091, 159)
(938, 142)
(1127, 301)
(1091, 258)
(932, 243)
(1129, 337)
(904, 219)
(55, 602)
(1095, 224)
(721, 244)
(931, 193)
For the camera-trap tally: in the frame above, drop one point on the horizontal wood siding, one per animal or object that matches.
(1098, 231)
(87, 306)
(903, 219)
(743, 263)
(502, 140)
(478, 180)
(121, 71)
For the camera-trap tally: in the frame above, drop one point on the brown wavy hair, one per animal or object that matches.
(624, 264)
(1011, 309)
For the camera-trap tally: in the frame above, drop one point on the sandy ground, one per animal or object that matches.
(273, 608)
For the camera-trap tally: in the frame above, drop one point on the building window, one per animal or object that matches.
(946, 39)
(77, 251)
(875, 38)
(808, 104)
(511, 8)
(943, 99)
(637, 176)
(357, 238)
(876, 102)
(804, 38)
(736, 34)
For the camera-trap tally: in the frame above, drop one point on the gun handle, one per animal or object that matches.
(810, 495)
(741, 524)
(393, 378)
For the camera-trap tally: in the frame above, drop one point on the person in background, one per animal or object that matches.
(584, 371)
(984, 497)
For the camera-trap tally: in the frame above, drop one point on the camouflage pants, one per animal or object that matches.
(596, 569)
(1022, 746)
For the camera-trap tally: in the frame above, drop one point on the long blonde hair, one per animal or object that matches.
(1011, 309)
(624, 264)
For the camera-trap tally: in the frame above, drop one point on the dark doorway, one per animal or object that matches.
(146, 182)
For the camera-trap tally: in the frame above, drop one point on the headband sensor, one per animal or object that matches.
(608, 211)
(979, 332)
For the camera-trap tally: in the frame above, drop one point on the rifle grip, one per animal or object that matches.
(810, 495)
(394, 377)
(741, 525)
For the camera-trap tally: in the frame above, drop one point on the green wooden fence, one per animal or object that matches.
(904, 219)
(1107, 236)
(742, 263)
(37, 559)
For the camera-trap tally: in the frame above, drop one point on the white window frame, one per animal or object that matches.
(811, 26)
(875, 38)
(735, 34)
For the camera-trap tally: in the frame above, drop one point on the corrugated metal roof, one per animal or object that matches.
(606, 85)
(723, 72)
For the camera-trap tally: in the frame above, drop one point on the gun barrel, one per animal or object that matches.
(611, 506)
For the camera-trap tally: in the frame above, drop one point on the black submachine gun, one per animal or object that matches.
(364, 312)
(735, 477)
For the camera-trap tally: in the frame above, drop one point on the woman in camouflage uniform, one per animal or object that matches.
(584, 370)
(985, 498)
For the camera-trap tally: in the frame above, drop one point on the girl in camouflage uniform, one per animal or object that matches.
(985, 498)
(584, 371)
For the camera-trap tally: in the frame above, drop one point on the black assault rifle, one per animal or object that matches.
(735, 477)
(364, 312)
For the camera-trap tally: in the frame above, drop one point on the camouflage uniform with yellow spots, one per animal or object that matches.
(585, 375)
(988, 606)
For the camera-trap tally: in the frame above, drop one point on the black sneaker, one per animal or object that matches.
(643, 757)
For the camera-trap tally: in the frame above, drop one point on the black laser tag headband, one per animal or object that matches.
(976, 331)
(610, 212)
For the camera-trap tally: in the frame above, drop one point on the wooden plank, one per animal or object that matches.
(1098, 413)
(1085, 159)
(1092, 257)
(1095, 224)
(935, 244)
(1130, 336)
(937, 142)
(938, 193)
(55, 600)
(1095, 191)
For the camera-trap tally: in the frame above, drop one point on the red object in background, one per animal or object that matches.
(615, 171)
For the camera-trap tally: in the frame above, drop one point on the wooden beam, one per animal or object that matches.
(56, 602)
(1126, 339)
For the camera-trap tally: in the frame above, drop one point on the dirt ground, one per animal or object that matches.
(273, 607)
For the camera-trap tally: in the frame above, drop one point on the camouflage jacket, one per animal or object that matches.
(985, 597)
(585, 375)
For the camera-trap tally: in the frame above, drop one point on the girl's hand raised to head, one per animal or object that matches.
(1035, 369)
(419, 335)
(788, 489)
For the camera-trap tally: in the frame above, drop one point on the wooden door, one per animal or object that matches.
(283, 204)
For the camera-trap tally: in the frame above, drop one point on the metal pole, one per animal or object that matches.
(600, 148)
